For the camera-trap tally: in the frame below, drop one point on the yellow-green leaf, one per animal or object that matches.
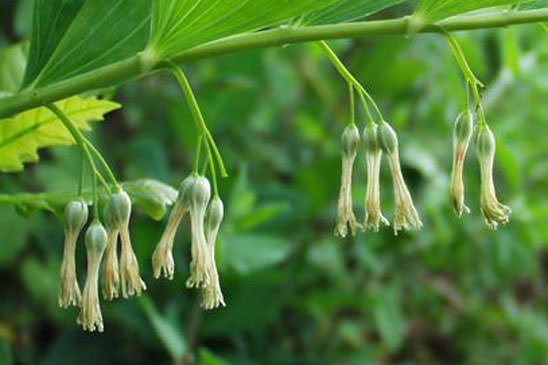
(22, 135)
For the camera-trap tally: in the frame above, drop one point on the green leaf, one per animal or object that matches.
(209, 358)
(12, 67)
(252, 252)
(149, 196)
(388, 318)
(84, 38)
(51, 20)
(22, 135)
(536, 4)
(180, 24)
(18, 230)
(171, 337)
(348, 10)
(429, 11)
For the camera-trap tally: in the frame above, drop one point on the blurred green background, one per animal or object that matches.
(454, 292)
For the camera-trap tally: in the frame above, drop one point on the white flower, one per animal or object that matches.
(90, 317)
(493, 211)
(162, 259)
(372, 202)
(111, 275)
(200, 192)
(350, 141)
(212, 296)
(119, 205)
(405, 213)
(461, 140)
(76, 215)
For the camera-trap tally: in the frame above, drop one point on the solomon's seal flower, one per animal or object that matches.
(162, 259)
(76, 215)
(131, 283)
(199, 195)
(350, 141)
(111, 276)
(405, 213)
(90, 317)
(494, 212)
(462, 134)
(373, 214)
(212, 296)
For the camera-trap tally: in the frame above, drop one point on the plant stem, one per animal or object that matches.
(134, 67)
(341, 68)
(103, 162)
(201, 126)
(80, 140)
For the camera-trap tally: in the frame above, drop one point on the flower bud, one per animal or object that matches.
(119, 208)
(119, 211)
(90, 317)
(76, 215)
(493, 211)
(212, 296)
(462, 134)
(350, 140)
(373, 214)
(405, 213)
(199, 193)
(345, 215)
(162, 259)
(388, 138)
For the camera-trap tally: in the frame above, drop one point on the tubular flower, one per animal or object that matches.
(462, 134)
(350, 141)
(111, 276)
(373, 214)
(212, 296)
(493, 211)
(76, 215)
(162, 259)
(405, 213)
(131, 283)
(90, 317)
(199, 193)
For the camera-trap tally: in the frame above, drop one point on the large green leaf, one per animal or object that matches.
(348, 10)
(12, 67)
(181, 24)
(149, 196)
(83, 38)
(52, 18)
(22, 135)
(434, 10)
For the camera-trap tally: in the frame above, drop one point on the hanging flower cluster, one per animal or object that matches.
(493, 211)
(120, 273)
(205, 219)
(376, 140)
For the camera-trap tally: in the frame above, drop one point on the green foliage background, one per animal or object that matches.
(453, 293)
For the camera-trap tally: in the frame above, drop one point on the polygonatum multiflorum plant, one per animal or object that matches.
(50, 93)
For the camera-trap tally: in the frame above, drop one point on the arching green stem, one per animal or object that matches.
(80, 141)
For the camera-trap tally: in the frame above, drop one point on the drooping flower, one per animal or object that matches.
(162, 258)
(200, 192)
(462, 134)
(111, 275)
(90, 317)
(373, 213)
(76, 215)
(350, 141)
(212, 296)
(131, 283)
(493, 211)
(405, 213)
